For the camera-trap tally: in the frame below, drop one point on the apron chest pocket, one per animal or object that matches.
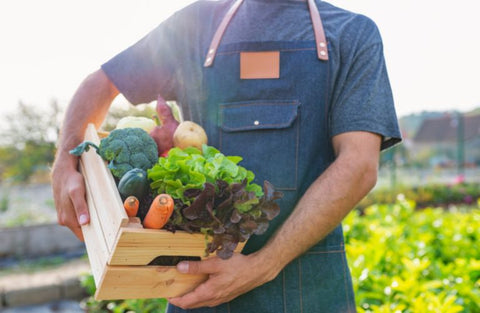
(265, 134)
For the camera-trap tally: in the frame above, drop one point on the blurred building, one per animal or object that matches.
(450, 140)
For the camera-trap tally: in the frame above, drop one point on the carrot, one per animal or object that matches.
(131, 205)
(160, 211)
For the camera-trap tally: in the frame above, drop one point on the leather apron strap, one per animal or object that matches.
(320, 39)
(219, 33)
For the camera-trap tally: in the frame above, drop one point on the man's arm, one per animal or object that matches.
(327, 201)
(90, 104)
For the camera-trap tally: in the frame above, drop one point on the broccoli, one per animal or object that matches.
(125, 149)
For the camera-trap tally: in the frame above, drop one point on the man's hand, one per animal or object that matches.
(69, 196)
(90, 104)
(227, 280)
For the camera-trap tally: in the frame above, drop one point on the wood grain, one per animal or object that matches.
(135, 282)
(103, 191)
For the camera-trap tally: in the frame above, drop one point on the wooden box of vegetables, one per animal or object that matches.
(210, 218)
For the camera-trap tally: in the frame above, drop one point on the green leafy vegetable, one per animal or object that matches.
(191, 168)
(215, 196)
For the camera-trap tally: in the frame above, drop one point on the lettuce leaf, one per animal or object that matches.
(214, 195)
(191, 168)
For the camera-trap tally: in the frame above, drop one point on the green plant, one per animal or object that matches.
(24, 218)
(4, 203)
(126, 306)
(28, 266)
(403, 260)
(424, 196)
(27, 141)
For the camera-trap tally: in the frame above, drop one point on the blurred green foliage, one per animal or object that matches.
(27, 141)
(428, 195)
(126, 306)
(4, 202)
(29, 134)
(407, 260)
(19, 163)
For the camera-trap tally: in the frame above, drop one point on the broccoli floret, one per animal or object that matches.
(118, 169)
(124, 148)
(141, 160)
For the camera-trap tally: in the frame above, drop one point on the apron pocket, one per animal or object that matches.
(265, 134)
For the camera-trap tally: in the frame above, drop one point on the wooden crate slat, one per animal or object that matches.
(134, 282)
(95, 244)
(104, 191)
(140, 246)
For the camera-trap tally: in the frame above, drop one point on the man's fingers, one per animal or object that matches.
(208, 266)
(72, 223)
(200, 296)
(76, 193)
(78, 232)
(72, 210)
(69, 194)
(193, 299)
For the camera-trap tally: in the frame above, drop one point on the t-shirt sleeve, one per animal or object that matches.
(362, 95)
(146, 68)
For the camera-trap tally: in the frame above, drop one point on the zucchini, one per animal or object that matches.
(134, 183)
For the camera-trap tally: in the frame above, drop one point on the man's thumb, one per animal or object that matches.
(207, 266)
(184, 267)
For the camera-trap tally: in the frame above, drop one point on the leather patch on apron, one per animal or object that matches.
(260, 65)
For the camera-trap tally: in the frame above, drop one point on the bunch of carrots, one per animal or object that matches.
(157, 216)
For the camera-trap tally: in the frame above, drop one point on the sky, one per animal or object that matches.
(432, 48)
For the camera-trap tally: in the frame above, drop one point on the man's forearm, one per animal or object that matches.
(90, 104)
(328, 200)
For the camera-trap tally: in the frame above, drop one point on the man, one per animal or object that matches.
(297, 88)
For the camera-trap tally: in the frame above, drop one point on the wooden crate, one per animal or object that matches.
(119, 249)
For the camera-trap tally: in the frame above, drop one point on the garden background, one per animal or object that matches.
(411, 243)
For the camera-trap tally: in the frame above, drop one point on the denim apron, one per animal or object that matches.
(280, 128)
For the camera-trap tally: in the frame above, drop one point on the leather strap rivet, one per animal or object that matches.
(209, 59)
(211, 51)
(323, 52)
(322, 44)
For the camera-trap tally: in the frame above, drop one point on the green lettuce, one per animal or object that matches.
(215, 196)
(191, 168)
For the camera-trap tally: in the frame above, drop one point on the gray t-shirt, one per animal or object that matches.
(169, 60)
